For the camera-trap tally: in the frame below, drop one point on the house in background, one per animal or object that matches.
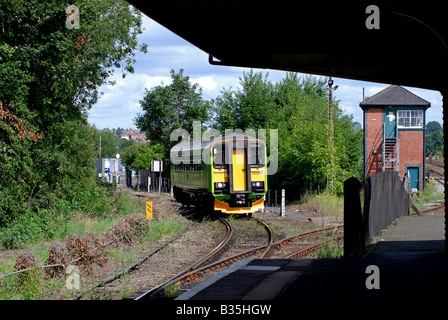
(394, 134)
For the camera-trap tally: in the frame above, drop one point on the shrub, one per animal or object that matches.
(83, 247)
(58, 255)
(28, 227)
(29, 282)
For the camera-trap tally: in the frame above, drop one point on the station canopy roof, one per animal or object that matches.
(317, 37)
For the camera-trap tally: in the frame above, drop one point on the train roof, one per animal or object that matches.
(203, 144)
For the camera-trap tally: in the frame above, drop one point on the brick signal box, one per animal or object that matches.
(394, 134)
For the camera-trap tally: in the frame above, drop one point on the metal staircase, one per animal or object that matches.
(391, 154)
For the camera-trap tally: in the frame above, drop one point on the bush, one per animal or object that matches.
(28, 227)
(29, 282)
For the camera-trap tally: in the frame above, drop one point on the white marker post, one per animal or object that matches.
(282, 209)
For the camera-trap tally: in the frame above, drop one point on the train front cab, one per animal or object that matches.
(239, 175)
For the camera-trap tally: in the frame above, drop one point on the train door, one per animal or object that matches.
(239, 169)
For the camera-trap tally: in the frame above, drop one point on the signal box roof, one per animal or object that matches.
(395, 96)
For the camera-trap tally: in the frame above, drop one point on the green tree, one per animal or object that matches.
(434, 139)
(49, 79)
(109, 144)
(302, 120)
(169, 107)
(433, 126)
(139, 156)
(250, 106)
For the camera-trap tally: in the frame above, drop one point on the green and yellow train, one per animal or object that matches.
(226, 174)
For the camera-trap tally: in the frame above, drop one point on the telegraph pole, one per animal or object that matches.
(331, 150)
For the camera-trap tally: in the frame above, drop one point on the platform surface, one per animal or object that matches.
(409, 263)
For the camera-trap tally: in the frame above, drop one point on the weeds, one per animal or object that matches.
(330, 250)
(85, 237)
(324, 205)
(429, 195)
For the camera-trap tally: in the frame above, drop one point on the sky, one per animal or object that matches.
(119, 105)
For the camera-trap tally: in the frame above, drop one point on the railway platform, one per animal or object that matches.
(408, 264)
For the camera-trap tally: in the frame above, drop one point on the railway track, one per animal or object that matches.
(190, 276)
(227, 237)
(291, 247)
(436, 210)
(435, 168)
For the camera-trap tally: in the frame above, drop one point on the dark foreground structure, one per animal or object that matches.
(397, 42)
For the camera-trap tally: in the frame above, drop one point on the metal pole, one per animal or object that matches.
(152, 180)
(330, 135)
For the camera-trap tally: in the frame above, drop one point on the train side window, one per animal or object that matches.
(219, 156)
(256, 155)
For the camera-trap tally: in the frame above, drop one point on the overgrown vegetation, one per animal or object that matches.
(323, 205)
(49, 79)
(97, 242)
(331, 250)
(429, 195)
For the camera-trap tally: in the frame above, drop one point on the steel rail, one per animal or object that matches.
(306, 235)
(159, 288)
(198, 273)
(270, 237)
(312, 248)
(440, 207)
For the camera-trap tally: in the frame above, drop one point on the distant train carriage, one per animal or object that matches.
(226, 174)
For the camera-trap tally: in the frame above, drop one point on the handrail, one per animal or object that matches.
(383, 146)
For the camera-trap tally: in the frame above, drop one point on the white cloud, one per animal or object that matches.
(147, 82)
(347, 109)
(208, 84)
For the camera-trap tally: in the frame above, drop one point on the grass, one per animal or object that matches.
(330, 250)
(323, 205)
(81, 225)
(430, 194)
(35, 285)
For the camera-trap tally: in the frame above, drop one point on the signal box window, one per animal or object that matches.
(410, 119)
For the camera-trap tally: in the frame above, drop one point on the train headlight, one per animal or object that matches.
(259, 185)
(220, 185)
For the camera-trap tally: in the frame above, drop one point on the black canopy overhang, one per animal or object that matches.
(317, 37)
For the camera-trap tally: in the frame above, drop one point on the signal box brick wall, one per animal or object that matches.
(410, 133)
(411, 144)
(411, 151)
(373, 140)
